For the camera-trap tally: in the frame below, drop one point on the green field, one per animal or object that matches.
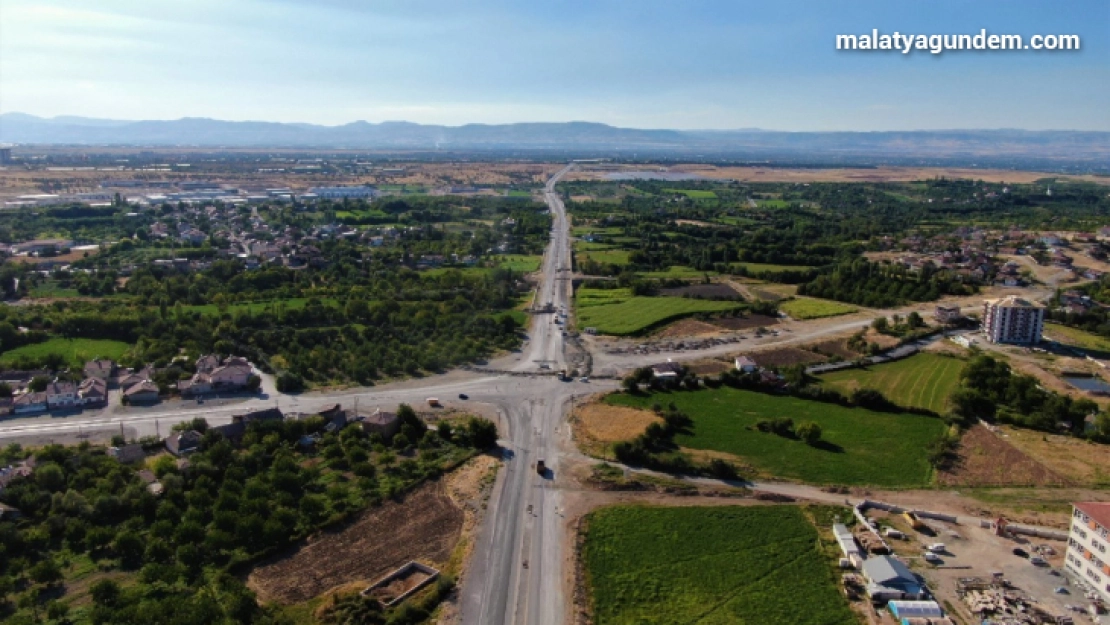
(693, 194)
(861, 446)
(772, 203)
(676, 271)
(75, 351)
(806, 308)
(920, 381)
(586, 246)
(709, 565)
(611, 257)
(519, 262)
(1076, 337)
(769, 267)
(617, 312)
(51, 289)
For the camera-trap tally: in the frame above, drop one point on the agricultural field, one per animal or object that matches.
(617, 312)
(607, 256)
(710, 565)
(921, 381)
(676, 272)
(859, 447)
(716, 291)
(1076, 337)
(693, 194)
(806, 308)
(768, 267)
(519, 262)
(76, 352)
(52, 290)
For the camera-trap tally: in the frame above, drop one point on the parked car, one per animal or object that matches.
(932, 557)
(1038, 561)
(464, 396)
(1019, 552)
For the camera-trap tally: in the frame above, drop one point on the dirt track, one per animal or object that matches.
(424, 527)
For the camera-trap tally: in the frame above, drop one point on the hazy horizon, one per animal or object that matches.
(692, 66)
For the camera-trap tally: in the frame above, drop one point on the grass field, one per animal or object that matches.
(693, 194)
(610, 256)
(806, 308)
(676, 271)
(769, 267)
(861, 447)
(709, 565)
(587, 246)
(617, 312)
(519, 262)
(51, 289)
(1076, 337)
(772, 203)
(921, 381)
(76, 351)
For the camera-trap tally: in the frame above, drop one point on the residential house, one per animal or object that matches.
(93, 392)
(666, 370)
(1088, 541)
(61, 395)
(100, 368)
(947, 314)
(145, 392)
(128, 453)
(381, 422)
(745, 364)
(29, 403)
(181, 443)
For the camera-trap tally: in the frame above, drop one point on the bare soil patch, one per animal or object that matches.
(785, 356)
(745, 323)
(709, 367)
(1081, 462)
(835, 347)
(611, 424)
(714, 291)
(425, 526)
(985, 459)
(687, 327)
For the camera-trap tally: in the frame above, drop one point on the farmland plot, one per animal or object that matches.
(709, 566)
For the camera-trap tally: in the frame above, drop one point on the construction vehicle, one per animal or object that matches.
(433, 402)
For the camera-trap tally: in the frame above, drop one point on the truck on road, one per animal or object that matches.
(433, 402)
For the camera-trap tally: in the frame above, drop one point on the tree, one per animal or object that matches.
(809, 432)
(914, 320)
(483, 433)
(105, 593)
(880, 324)
(38, 383)
(289, 382)
(46, 572)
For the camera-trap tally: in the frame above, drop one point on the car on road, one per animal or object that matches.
(1060, 590)
(464, 396)
(1019, 552)
(1038, 561)
(932, 557)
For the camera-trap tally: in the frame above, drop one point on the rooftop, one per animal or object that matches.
(1013, 301)
(1097, 510)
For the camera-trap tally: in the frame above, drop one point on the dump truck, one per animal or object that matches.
(912, 519)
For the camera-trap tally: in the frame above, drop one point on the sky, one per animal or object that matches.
(682, 64)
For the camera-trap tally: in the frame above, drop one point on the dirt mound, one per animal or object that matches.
(611, 424)
(425, 526)
(744, 323)
(984, 459)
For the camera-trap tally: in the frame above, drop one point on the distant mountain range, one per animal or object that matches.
(579, 137)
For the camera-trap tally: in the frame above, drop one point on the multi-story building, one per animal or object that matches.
(1088, 545)
(1012, 320)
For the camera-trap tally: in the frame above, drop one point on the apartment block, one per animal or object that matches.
(1088, 543)
(1013, 320)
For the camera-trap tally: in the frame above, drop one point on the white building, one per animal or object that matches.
(1088, 541)
(1012, 320)
(339, 193)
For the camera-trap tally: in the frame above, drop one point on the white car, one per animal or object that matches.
(931, 557)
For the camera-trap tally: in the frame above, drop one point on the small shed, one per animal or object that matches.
(889, 579)
(915, 609)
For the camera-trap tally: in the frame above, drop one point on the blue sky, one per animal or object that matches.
(637, 63)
